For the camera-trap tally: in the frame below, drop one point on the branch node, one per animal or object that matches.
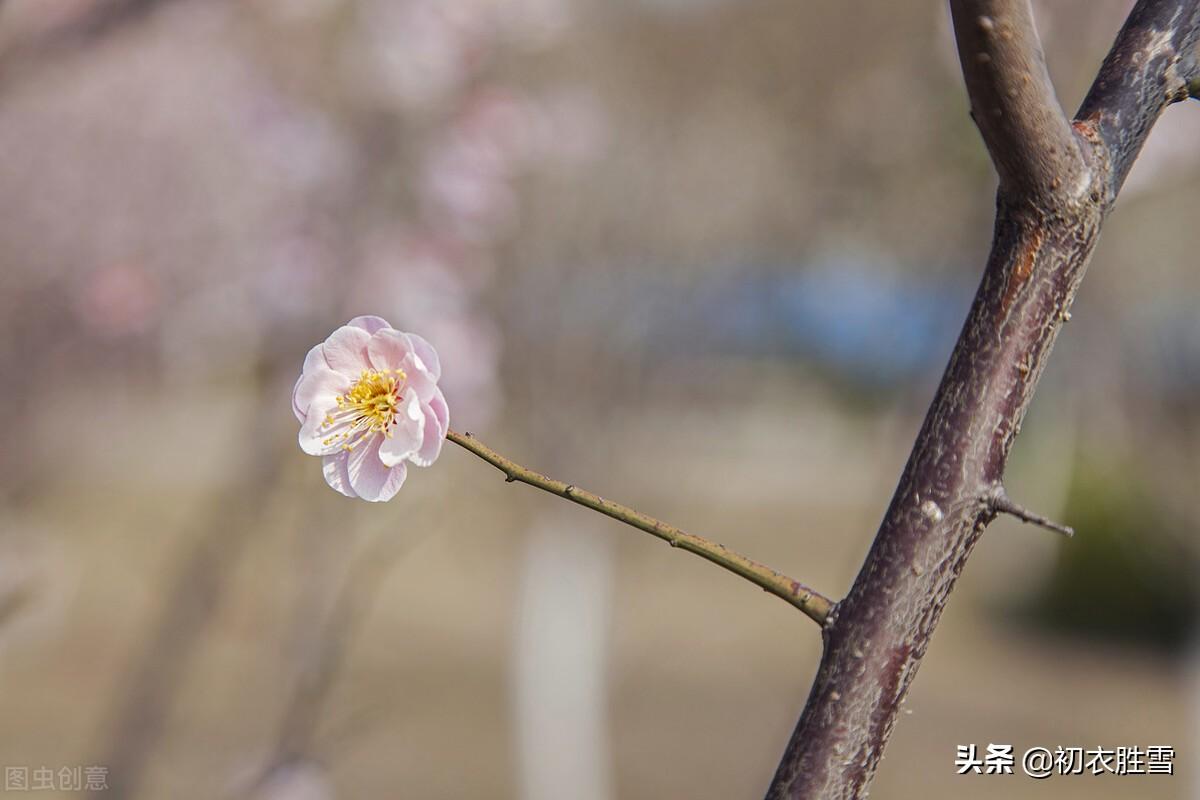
(932, 511)
(1000, 502)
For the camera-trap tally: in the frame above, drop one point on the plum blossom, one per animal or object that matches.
(368, 402)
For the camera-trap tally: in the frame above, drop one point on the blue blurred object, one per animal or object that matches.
(868, 325)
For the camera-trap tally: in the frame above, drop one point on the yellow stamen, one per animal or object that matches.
(369, 407)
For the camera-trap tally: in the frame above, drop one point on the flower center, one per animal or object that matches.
(369, 407)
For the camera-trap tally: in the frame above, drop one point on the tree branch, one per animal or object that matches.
(811, 603)
(1152, 64)
(1012, 99)
(1044, 236)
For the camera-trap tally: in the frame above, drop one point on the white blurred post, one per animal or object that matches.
(560, 689)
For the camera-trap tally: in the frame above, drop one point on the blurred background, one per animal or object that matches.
(705, 257)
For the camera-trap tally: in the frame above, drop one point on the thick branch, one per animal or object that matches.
(814, 605)
(876, 637)
(1152, 64)
(878, 634)
(1012, 99)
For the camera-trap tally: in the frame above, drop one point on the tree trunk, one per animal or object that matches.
(1058, 180)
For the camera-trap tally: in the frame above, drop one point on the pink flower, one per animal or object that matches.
(368, 401)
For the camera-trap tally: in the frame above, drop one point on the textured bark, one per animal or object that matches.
(1012, 100)
(1052, 200)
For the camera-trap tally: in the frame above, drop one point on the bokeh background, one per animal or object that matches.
(704, 257)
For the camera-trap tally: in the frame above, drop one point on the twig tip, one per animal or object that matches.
(1000, 502)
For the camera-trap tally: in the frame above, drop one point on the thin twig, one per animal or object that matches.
(811, 603)
(1002, 503)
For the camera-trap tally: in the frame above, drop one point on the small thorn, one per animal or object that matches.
(1000, 502)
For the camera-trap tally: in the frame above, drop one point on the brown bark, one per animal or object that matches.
(1058, 179)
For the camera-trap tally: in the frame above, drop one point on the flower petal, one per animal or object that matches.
(440, 410)
(388, 349)
(418, 378)
(437, 418)
(301, 413)
(407, 433)
(428, 356)
(315, 358)
(315, 439)
(370, 478)
(369, 323)
(336, 473)
(346, 350)
(392, 349)
(321, 385)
